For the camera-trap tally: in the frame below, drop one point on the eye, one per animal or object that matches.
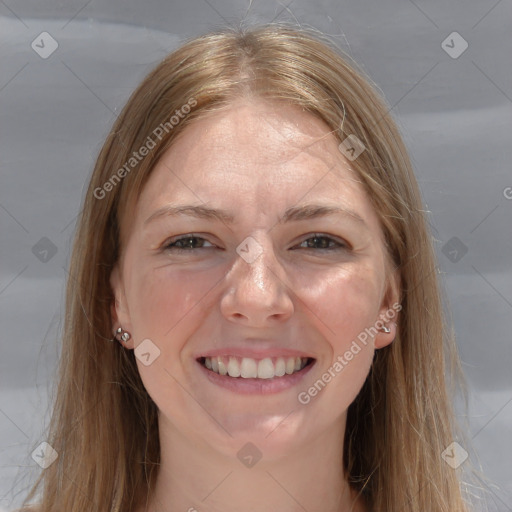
(319, 241)
(185, 243)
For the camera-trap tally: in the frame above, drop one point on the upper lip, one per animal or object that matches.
(253, 353)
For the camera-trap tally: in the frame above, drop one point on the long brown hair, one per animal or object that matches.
(104, 425)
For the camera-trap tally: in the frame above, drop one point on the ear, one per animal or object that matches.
(119, 307)
(388, 312)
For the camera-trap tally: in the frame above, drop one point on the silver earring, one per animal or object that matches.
(385, 329)
(121, 335)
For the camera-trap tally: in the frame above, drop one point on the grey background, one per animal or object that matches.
(455, 115)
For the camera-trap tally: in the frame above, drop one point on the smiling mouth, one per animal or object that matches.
(249, 368)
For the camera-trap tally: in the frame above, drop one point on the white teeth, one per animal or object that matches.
(249, 368)
(233, 368)
(266, 369)
(222, 367)
(280, 367)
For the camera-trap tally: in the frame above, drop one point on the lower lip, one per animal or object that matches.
(257, 386)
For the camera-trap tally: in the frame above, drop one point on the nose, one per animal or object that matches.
(256, 293)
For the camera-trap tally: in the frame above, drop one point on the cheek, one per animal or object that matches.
(345, 301)
(162, 301)
(346, 304)
(166, 306)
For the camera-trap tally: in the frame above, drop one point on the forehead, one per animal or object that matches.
(255, 158)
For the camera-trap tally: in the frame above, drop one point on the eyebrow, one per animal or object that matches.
(294, 213)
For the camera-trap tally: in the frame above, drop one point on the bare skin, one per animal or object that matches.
(316, 284)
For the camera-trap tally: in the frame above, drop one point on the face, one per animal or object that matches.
(254, 250)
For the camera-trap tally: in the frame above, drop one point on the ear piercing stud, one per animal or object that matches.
(121, 335)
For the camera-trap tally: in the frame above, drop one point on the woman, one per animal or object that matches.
(253, 317)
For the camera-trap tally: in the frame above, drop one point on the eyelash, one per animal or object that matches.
(169, 246)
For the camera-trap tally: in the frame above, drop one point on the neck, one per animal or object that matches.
(194, 476)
